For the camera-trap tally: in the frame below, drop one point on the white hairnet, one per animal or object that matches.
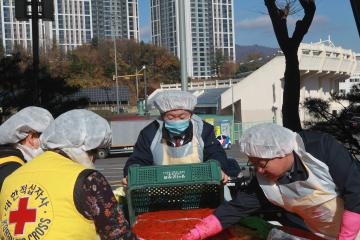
(267, 141)
(80, 129)
(174, 99)
(18, 126)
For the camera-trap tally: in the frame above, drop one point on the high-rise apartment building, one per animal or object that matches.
(72, 26)
(13, 32)
(209, 30)
(117, 18)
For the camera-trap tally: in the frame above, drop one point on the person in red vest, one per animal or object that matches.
(59, 195)
(19, 138)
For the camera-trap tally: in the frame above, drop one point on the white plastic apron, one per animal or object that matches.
(314, 199)
(191, 152)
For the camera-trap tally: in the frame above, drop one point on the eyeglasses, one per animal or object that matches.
(258, 164)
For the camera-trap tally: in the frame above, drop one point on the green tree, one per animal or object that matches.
(253, 56)
(229, 70)
(55, 60)
(218, 62)
(337, 124)
(16, 88)
(93, 65)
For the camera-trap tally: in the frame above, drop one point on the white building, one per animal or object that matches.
(258, 97)
(73, 23)
(72, 26)
(346, 85)
(13, 32)
(117, 18)
(209, 29)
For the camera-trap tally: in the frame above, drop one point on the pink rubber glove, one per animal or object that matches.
(209, 226)
(350, 225)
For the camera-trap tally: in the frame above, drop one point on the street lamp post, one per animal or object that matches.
(145, 92)
(137, 80)
(35, 10)
(137, 84)
(114, 30)
(116, 79)
(35, 42)
(182, 38)
(233, 112)
(137, 73)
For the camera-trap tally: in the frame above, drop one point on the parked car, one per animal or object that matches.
(224, 141)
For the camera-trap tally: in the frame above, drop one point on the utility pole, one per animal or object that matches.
(137, 85)
(116, 78)
(39, 10)
(116, 66)
(182, 38)
(137, 80)
(35, 42)
(137, 73)
(233, 112)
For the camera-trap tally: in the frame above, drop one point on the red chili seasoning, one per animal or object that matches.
(172, 224)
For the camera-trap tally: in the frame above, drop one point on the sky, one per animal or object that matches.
(333, 18)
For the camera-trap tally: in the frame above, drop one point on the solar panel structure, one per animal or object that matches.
(103, 95)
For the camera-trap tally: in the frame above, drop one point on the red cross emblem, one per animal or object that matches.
(22, 215)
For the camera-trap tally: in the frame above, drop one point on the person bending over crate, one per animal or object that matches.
(180, 136)
(58, 194)
(309, 174)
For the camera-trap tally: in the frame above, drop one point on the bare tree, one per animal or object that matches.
(279, 11)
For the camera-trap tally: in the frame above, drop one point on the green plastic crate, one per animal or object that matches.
(171, 187)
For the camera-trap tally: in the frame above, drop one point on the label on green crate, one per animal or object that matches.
(174, 175)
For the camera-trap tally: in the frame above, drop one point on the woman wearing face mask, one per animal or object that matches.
(19, 138)
(179, 137)
(61, 193)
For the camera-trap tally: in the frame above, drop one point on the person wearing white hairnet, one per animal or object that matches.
(58, 195)
(309, 174)
(19, 138)
(179, 137)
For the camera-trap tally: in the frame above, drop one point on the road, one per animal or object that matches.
(112, 167)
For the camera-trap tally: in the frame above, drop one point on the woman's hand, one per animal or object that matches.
(124, 181)
(224, 177)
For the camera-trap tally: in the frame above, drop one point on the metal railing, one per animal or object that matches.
(203, 84)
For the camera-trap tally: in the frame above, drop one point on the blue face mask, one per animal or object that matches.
(177, 127)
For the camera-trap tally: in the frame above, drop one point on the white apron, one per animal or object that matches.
(315, 199)
(191, 152)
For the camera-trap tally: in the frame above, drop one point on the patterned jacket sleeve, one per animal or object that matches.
(95, 200)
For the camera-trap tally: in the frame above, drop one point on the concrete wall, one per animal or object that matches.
(260, 93)
(256, 92)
